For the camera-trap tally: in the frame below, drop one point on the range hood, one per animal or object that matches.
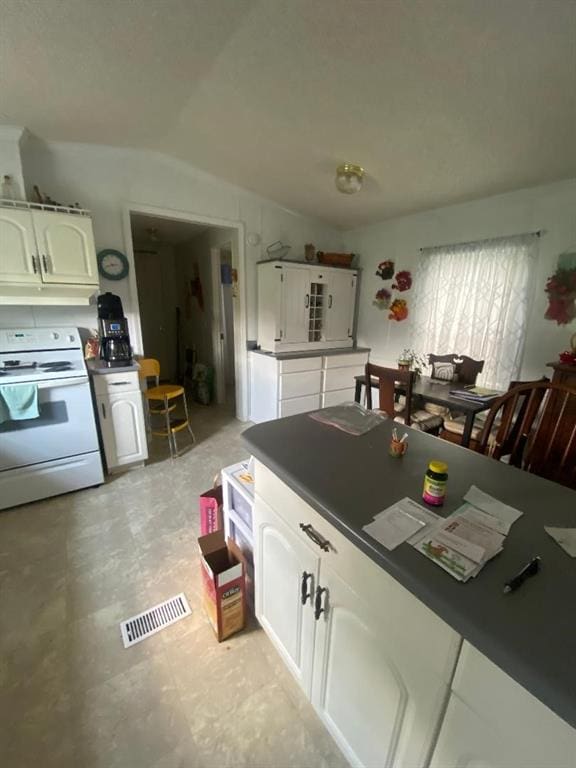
(57, 295)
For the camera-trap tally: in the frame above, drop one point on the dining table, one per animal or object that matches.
(438, 391)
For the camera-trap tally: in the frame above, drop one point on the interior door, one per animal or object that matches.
(295, 303)
(286, 572)
(18, 252)
(340, 309)
(374, 697)
(66, 248)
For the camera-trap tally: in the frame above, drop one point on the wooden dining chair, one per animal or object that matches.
(540, 435)
(398, 409)
(466, 369)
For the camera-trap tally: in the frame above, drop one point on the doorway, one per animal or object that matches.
(186, 276)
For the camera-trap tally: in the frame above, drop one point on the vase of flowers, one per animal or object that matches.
(561, 290)
(409, 360)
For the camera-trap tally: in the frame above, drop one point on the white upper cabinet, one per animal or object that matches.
(66, 248)
(340, 306)
(295, 304)
(305, 307)
(46, 247)
(18, 254)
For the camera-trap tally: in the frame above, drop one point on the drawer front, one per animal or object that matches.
(300, 364)
(407, 618)
(341, 361)
(299, 405)
(115, 383)
(299, 384)
(340, 378)
(337, 397)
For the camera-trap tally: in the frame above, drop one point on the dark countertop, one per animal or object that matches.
(530, 633)
(310, 352)
(97, 367)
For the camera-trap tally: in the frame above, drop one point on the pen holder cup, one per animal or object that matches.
(398, 449)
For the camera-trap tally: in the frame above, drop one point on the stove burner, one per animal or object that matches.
(17, 365)
(56, 364)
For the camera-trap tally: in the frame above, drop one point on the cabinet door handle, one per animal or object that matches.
(318, 608)
(316, 537)
(118, 383)
(304, 588)
(103, 410)
(307, 301)
(329, 301)
(45, 262)
(34, 265)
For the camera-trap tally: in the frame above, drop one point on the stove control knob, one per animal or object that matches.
(55, 335)
(71, 338)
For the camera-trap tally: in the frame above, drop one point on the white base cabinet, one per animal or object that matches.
(493, 722)
(281, 388)
(394, 684)
(121, 418)
(374, 661)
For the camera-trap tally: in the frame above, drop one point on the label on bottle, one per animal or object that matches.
(434, 491)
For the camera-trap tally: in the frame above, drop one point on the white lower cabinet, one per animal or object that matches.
(286, 574)
(121, 418)
(375, 663)
(493, 722)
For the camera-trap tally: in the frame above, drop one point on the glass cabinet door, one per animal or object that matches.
(316, 311)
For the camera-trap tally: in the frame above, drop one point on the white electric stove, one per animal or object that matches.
(58, 451)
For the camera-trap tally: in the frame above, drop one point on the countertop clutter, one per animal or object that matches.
(531, 633)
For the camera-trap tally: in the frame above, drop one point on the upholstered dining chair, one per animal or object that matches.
(543, 439)
(399, 409)
(462, 368)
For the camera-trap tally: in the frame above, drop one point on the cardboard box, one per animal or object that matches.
(223, 583)
(211, 518)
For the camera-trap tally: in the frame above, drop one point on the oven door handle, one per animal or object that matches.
(62, 383)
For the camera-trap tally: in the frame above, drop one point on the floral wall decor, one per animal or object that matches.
(561, 290)
(402, 281)
(382, 298)
(398, 310)
(385, 270)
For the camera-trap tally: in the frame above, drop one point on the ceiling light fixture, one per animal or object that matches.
(349, 178)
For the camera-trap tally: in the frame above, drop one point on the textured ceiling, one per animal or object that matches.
(440, 100)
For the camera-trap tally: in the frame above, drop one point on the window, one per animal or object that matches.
(472, 299)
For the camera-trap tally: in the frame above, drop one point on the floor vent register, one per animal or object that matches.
(153, 620)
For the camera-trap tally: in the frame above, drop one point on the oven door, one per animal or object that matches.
(65, 426)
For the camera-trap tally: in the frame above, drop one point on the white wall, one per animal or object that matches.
(551, 208)
(106, 179)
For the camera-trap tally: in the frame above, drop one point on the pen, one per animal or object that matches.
(529, 570)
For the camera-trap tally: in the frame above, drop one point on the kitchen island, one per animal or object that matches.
(405, 665)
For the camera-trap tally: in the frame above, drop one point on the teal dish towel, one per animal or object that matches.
(18, 402)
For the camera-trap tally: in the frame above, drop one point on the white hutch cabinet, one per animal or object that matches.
(305, 306)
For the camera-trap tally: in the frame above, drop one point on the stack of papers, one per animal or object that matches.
(475, 394)
(464, 542)
(403, 521)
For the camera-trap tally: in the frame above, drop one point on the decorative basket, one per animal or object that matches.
(335, 259)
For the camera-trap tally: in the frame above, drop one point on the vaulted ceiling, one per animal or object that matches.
(440, 100)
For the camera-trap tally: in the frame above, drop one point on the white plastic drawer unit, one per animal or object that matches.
(116, 383)
(299, 384)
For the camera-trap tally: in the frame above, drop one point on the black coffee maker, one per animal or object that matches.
(115, 349)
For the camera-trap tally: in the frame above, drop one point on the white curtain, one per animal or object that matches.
(472, 299)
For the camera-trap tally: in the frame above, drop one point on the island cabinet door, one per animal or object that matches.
(286, 575)
(380, 701)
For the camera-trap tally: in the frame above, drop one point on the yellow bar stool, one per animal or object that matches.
(162, 400)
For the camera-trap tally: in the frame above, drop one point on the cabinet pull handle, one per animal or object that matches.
(318, 608)
(307, 301)
(304, 588)
(34, 265)
(329, 301)
(118, 383)
(103, 410)
(44, 262)
(316, 537)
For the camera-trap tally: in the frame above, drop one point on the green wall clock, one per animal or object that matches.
(112, 264)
